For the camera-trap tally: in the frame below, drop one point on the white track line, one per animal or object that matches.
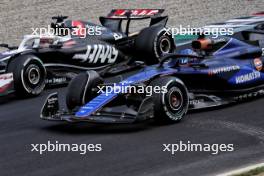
(242, 170)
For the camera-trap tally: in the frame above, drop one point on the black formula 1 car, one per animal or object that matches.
(79, 46)
(214, 72)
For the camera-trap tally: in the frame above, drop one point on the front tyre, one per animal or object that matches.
(80, 89)
(29, 75)
(172, 103)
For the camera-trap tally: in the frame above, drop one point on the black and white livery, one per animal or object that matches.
(42, 60)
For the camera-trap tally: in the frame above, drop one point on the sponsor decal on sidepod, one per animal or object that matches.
(247, 77)
(102, 53)
(223, 69)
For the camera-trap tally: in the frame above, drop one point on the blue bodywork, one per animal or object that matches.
(236, 66)
(103, 99)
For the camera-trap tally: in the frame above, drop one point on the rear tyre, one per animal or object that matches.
(29, 75)
(154, 42)
(80, 89)
(172, 104)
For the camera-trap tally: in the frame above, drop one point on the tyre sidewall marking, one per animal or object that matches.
(168, 113)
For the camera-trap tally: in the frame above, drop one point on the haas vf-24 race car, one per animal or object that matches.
(214, 72)
(55, 59)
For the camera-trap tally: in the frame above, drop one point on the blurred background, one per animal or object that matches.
(17, 17)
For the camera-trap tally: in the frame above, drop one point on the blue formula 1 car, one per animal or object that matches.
(214, 72)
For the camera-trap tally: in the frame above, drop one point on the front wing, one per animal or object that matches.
(116, 114)
(122, 113)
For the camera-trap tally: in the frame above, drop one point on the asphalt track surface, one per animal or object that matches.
(129, 149)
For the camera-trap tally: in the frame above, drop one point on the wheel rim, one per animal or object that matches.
(165, 45)
(175, 99)
(33, 74)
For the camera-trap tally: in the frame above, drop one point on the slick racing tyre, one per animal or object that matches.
(80, 89)
(29, 75)
(172, 104)
(154, 42)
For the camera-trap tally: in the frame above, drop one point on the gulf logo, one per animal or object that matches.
(258, 64)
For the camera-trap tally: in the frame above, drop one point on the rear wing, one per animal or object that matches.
(114, 19)
(134, 13)
(258, 13)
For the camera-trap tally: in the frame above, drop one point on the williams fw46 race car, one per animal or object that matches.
(214, 72)
(55, 59)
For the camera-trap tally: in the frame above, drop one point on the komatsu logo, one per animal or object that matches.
(98, 54)
(247, 77)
